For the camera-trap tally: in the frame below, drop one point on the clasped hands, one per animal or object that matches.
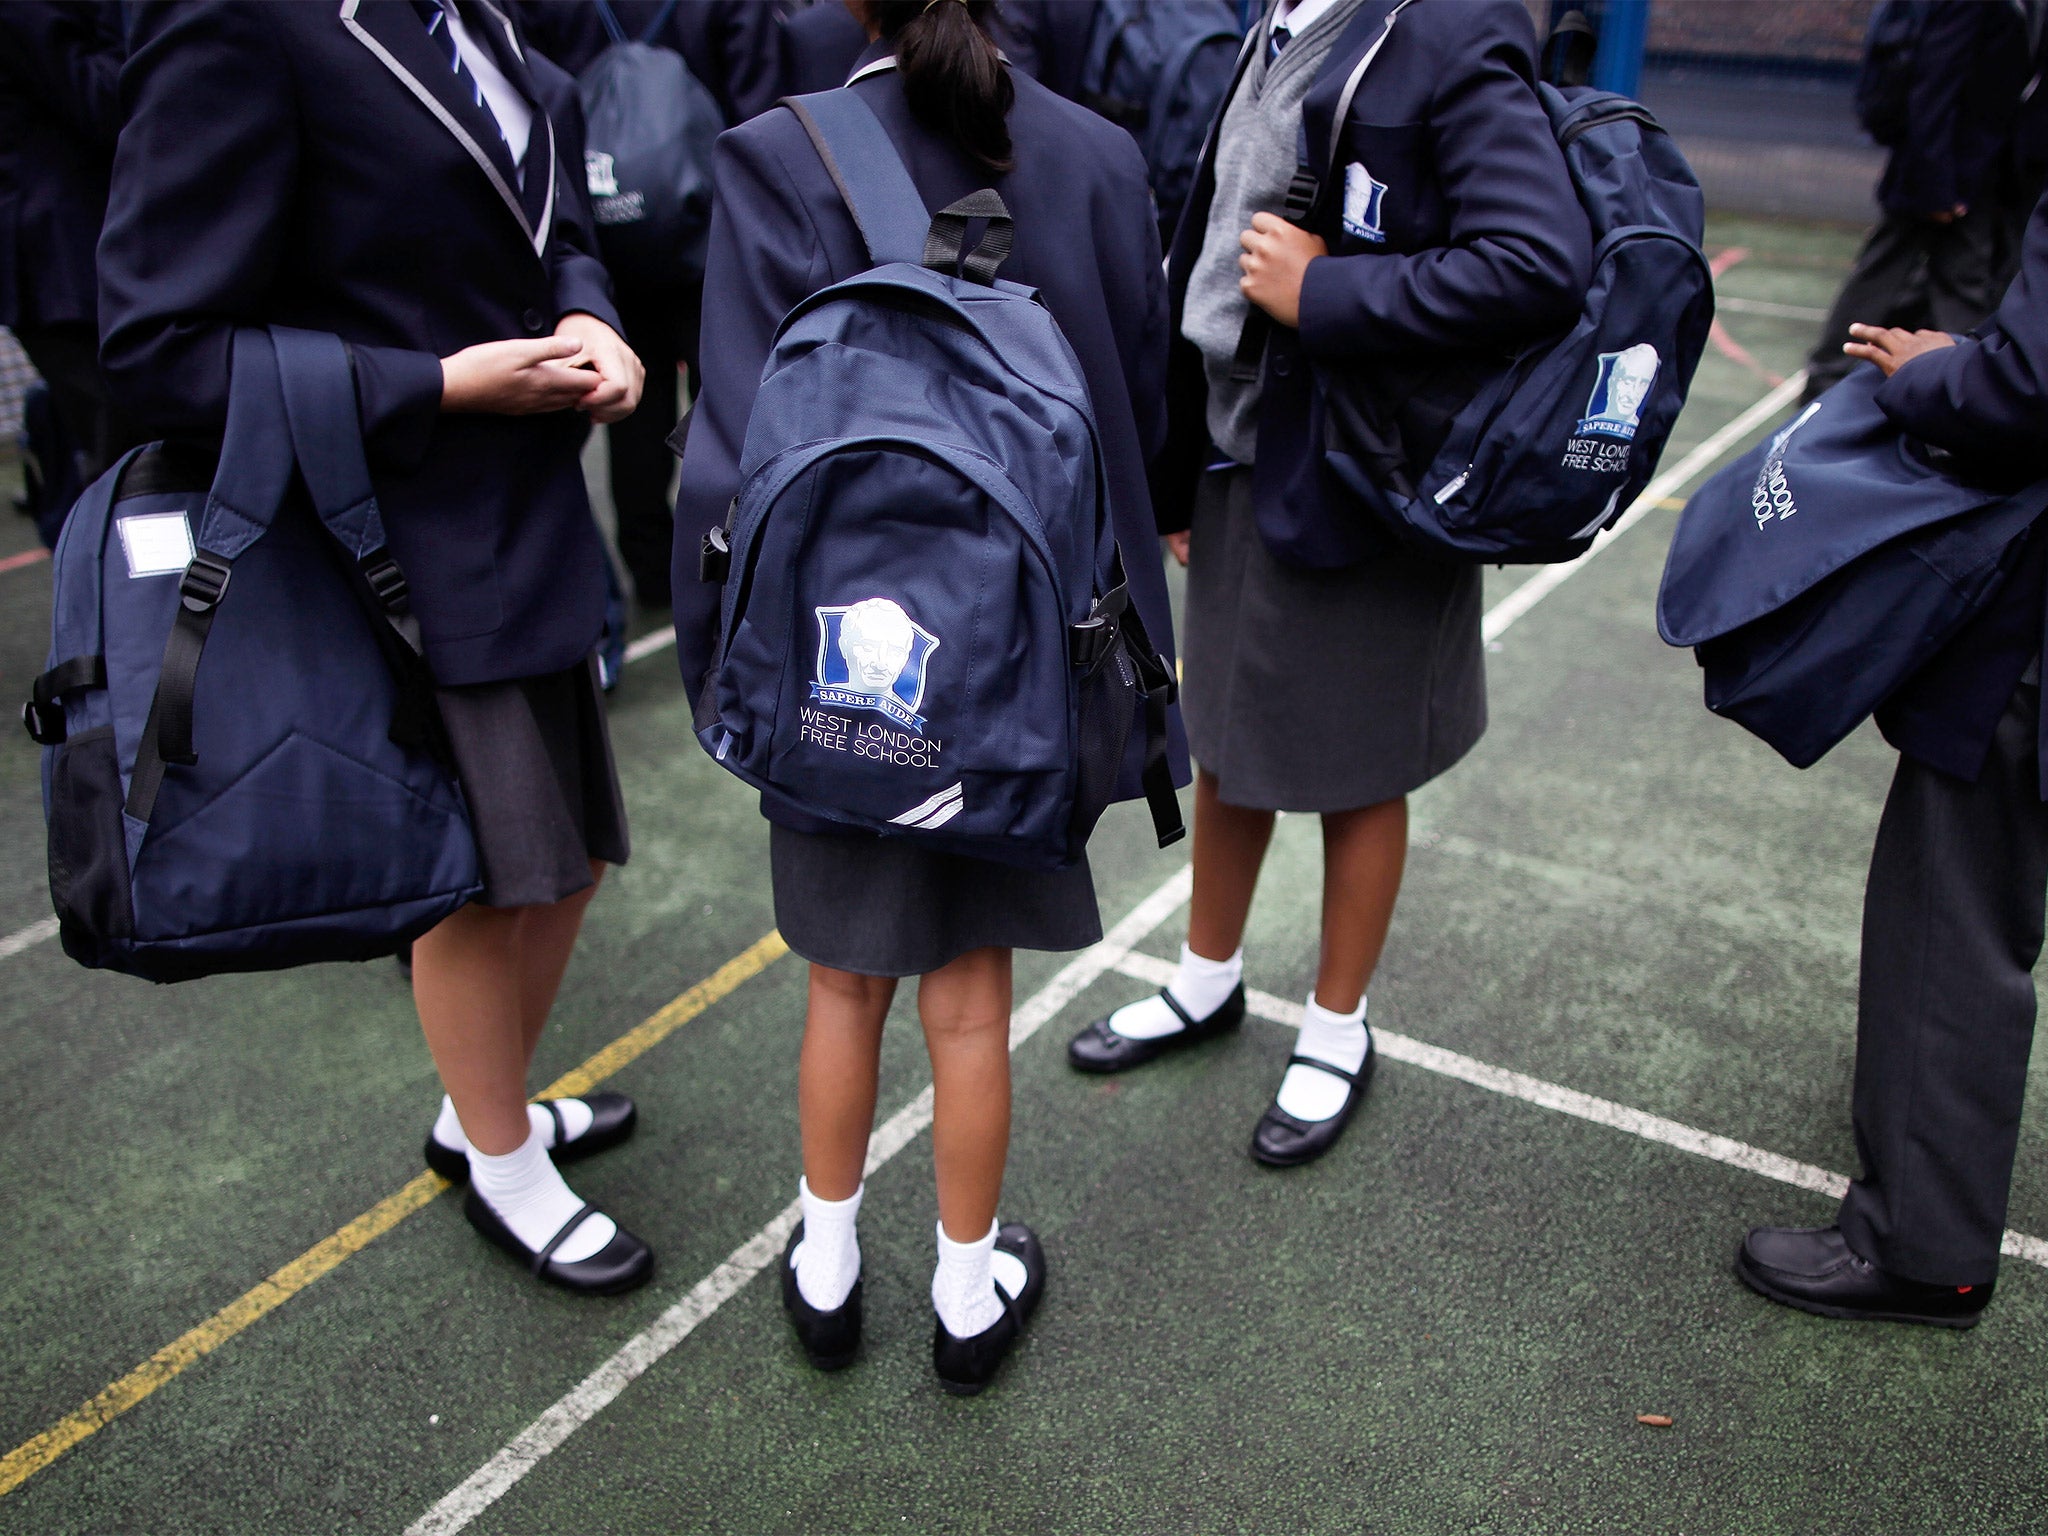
(584, 366)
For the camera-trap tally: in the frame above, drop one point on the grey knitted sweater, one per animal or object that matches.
(1255, 161)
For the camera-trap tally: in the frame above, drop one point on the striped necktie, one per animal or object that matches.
(435, 14)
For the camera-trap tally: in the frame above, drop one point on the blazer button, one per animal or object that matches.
(534, 321)
(1283, 366)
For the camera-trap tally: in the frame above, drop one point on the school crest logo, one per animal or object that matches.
(603, 177)
(873, 655)
(1615, 408)
(1364, 199)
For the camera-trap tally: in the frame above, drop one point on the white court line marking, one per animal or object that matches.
(648, 644)
(1569, 1101)
(1674, 479)
(28, 937)
(596, 1391)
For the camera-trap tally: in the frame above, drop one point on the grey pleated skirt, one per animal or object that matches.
(1323, 690)
(534, 757)
(881, 906)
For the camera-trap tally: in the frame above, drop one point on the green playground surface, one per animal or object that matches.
(1625, 922)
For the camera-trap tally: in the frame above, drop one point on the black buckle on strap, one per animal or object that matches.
(45, 723)
(1169, 685)
(388, 582)
(714, 556)
(1090, 641)
(1301, 194)
(204, 584)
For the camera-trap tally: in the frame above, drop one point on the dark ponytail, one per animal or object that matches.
(953, 78)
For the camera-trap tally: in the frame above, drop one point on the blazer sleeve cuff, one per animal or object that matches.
(1334, 324)
(581, 285)
(398, 392)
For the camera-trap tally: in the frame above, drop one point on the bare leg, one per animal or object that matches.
(1363, 854)
(466, 984)
(1230, 845)
(965, 1007)
(836, 1076)
(547, 936)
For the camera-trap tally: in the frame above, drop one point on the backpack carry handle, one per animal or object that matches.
(942, 245)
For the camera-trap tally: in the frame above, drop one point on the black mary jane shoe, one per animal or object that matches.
(613, 1117)
(1098, 1048)
(1815, 1270)
(623, 1264)
(965, 1366)
(1281, 1141)
(830, 1339)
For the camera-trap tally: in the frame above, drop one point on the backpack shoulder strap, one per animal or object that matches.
(254, 475)
(318, 385)
(870, 176)
(317, 381)
(651, 33)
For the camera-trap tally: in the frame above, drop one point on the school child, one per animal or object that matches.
(1449, 234)
(866, 911)
(1952, 917)
(384, 170)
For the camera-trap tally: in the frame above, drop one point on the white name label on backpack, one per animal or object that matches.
(156, 543)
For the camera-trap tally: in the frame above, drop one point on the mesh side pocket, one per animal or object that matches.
(1108, 710)
(88, 849)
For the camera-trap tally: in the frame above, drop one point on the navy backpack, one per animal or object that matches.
(649, 126)
(242, 765)
(1536, 453)
(1816, 574)
(925, 629)
(1160, 68)
(1884, 85)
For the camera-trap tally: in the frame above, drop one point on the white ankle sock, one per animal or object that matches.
(530, 1198)
(1338, 1038)
(576, 1119)
(963, 1286)
(1200, 986)
(827, 1261)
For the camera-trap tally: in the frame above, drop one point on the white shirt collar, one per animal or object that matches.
(1299, 16)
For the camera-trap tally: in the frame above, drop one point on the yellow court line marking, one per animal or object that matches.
(101, 1409)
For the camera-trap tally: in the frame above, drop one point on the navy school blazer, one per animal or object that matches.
(1475, 242)
(317, 165)
(1985, 400)
(1084, 238)
(733, 47)
(59, 113)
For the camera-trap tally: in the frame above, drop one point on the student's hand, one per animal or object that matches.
(1276, 257)
(515, 378)
(618, 369)
(1177, 543)
(1949, 215)
(1891, 348)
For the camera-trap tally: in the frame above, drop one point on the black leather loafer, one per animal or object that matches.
(623, 1264)
(613, 1117)
(830, 1339)
(1815, 1270)
(1281, 1141)
(1098, 1048)
(965, 1366)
